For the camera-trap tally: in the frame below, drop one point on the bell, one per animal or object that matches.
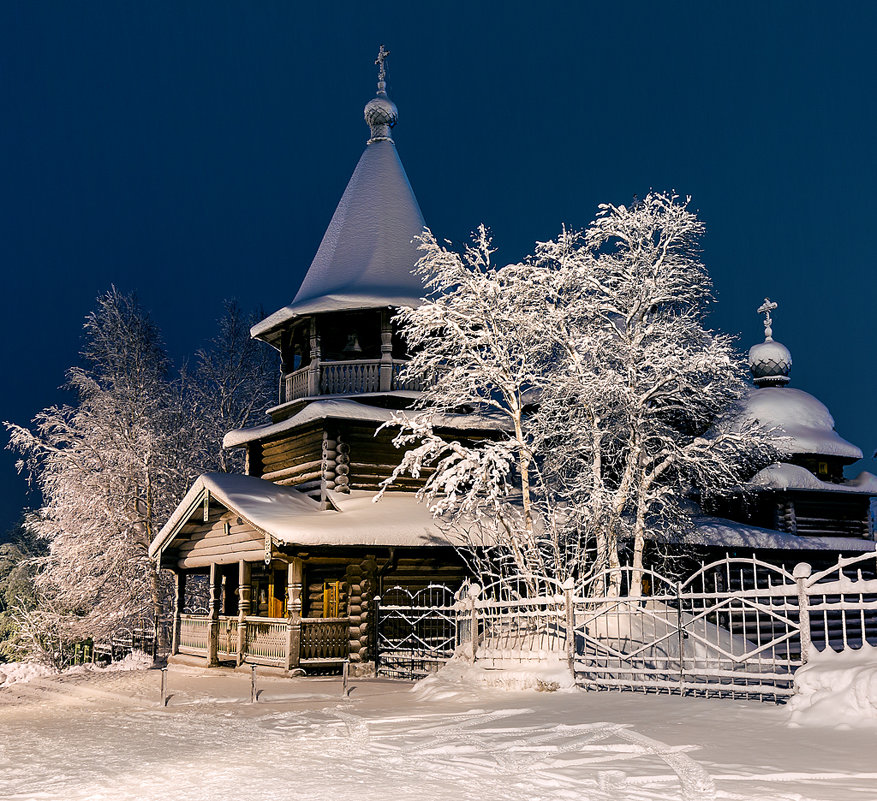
(352, 345)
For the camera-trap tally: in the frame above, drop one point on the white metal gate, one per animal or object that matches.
(416, 632)
(731, 628)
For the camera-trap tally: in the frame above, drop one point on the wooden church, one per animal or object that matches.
(802, 503)
(295, 550)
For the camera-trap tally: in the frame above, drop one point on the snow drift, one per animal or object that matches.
(837, 689)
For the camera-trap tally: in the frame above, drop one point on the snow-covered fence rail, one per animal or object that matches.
(842, 605)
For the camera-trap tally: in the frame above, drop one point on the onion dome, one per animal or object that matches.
(769, 361)
(380, 112)
(803, 423)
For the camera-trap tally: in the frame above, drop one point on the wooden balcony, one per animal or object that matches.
(351, 377)
(279, 642)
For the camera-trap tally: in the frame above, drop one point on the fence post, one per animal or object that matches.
(472, 593)
(164, 687)
(569, 611)
(801, 573)
(681, 632)
(253, 695)
(376, 626)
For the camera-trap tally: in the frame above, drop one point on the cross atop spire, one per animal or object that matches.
(381, 112)
(766, 308)
(382, 70)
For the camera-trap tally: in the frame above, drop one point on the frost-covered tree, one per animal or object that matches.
(476, 345)
(235, 381)
(644, 391)
(112, 465)
(109, 468)
(19, 550)
(616, 398)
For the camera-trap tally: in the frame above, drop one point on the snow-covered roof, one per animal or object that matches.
(719, 532)
(802, 418)
(294, 518)
(367, 253)
(783, 476)
(345, 409)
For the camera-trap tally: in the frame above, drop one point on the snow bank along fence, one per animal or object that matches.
(735, 627)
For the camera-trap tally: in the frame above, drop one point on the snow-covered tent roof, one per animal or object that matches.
(782, 476)
(722, 533)
(345, 409)
(291, 517)
(802, 418)
(367, 253)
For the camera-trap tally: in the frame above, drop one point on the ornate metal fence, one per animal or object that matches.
(735, 627)
(702, 635)
(416, 632)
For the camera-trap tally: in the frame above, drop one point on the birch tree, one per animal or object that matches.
(112, 465)
(235, 382)
(109, 468)
(618, 402)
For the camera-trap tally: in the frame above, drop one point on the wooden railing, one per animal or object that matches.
(324, 639)
(356, 375)
(227, 638)
(345, 378)
(295, 385)
(194, 634)
(267, 639)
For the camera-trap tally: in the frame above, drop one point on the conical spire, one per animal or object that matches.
(368, 252)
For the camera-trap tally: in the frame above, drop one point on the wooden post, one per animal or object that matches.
(294, 580)
(244, 595)
(314, 367)
(570, 621)
(253, 695)
(164, 687)
(345, 672)
(386, 371)
(213, 611)
(801, 573)
(179, 601)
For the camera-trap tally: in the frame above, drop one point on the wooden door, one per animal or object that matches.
(277, 594)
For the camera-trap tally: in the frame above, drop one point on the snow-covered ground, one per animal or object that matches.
(94, 734)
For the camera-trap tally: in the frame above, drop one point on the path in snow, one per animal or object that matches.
(105, 737)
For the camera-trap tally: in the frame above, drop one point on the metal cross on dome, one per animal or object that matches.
(382, 70)
(766, 308)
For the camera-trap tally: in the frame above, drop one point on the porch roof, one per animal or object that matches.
(291, 517)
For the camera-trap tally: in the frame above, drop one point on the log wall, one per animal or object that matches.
(294, 461)
(198, 543)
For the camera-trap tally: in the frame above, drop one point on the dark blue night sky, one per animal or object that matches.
(196, 151)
